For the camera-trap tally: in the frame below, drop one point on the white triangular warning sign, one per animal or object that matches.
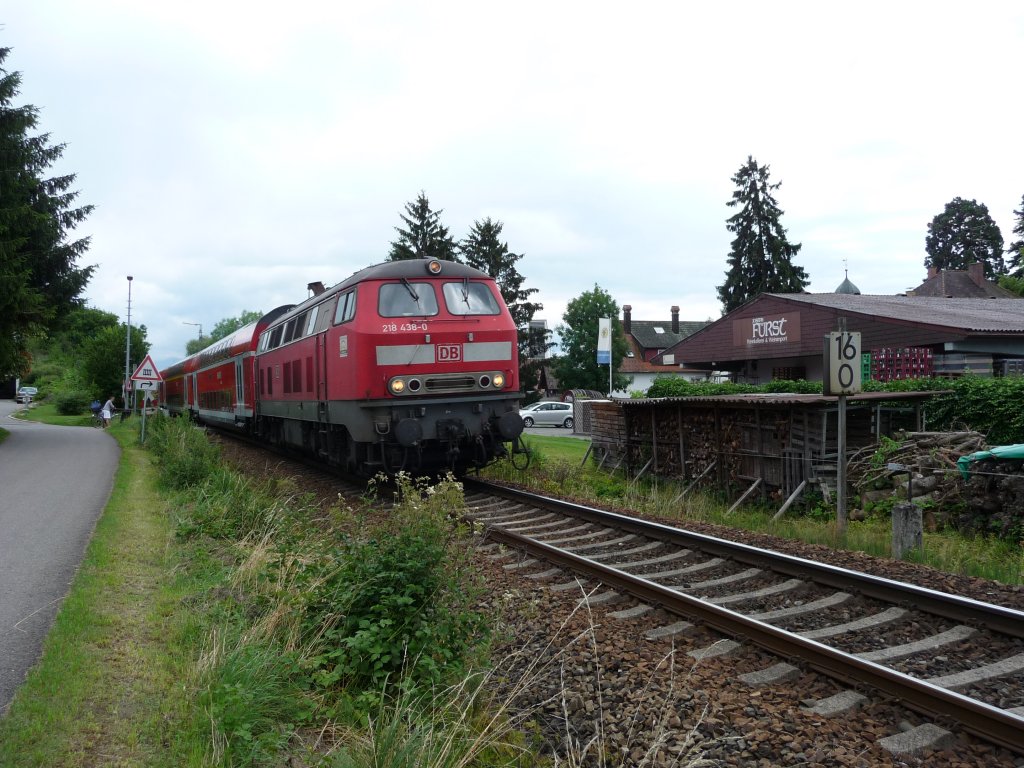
(147, 371)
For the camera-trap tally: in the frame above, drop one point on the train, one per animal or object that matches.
(406, 366)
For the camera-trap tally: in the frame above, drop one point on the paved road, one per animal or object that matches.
(54, 482)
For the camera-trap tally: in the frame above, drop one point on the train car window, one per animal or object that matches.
(407, 299)
(264, 341)
(346, 308)
(466, 298)
(289, 331)
(312, 320)
(275, 337)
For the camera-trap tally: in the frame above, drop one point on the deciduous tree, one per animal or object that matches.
(965, 234)
(424, 236)
(38, 272)
(761, 258)
(577, 366)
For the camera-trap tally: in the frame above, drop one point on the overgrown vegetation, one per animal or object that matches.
(318, 619)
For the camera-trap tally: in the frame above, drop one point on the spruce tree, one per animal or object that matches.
(965, 234)
(761, 258)
(39, 279)
(483, 249)
(424, 237)
(1016, 249)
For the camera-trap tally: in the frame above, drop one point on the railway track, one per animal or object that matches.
(958, 662)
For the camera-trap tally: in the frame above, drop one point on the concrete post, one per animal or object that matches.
(907, 529)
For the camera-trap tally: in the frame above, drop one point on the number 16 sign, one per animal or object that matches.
(842, 363)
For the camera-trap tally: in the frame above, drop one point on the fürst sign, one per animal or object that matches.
(767, 329)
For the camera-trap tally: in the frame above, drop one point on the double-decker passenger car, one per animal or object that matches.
(407, 365)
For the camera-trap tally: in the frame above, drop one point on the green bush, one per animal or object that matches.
(395, 608)
(72, 403)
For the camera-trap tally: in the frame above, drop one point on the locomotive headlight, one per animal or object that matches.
(397, 386)
(499, 381)
(434, 267)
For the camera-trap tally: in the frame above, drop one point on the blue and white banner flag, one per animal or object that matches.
(604, 341)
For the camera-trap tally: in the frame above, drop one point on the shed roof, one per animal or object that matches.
(781, 399)
(971, 315)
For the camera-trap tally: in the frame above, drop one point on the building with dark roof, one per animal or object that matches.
(780, 336)
(646, 341)
(967, 284)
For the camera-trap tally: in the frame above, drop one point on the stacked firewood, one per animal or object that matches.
(924, 460)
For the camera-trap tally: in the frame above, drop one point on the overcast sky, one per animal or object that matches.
(236, 151)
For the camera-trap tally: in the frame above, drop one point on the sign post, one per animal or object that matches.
(146, 378)
(842, 377)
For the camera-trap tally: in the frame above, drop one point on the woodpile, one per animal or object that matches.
(925, 460)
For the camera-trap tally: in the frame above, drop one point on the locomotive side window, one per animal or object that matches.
(312, 320)
(323, 316)
(466, 298)
(275, 337)
(407, 299)
(346, 308)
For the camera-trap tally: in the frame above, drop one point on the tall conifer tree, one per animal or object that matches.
(964, 234)
(761, 258)
(39, 281)
(483, 249)
(1016, 249)
(425, 237)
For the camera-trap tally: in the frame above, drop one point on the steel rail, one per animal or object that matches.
(962, 609)
(990, 723)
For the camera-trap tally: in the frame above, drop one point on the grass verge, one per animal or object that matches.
(107, 689)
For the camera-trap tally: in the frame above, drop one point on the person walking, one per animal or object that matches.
(107, 411)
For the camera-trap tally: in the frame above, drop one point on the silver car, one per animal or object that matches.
(548, 413)
(26, 394)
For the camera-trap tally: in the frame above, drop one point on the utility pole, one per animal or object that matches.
(128, 348)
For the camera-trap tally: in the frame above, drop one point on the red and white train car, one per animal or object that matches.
(215, 385)
(407, 365)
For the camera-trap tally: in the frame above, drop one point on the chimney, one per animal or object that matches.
(675, 319)
(627, 319)
(317, 288)
(977, 274)
(932, 272)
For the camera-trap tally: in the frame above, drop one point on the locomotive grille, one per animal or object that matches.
(450, 383)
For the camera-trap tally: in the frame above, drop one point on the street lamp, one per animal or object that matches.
(128, 346)
(198, 324)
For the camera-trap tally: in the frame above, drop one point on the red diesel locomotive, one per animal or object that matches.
(407, 365)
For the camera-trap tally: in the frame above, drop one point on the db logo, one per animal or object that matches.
(449, 353)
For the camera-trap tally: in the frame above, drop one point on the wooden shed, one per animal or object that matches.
(779, 441)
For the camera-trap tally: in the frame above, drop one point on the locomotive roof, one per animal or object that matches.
(409, 268)
(395, 270)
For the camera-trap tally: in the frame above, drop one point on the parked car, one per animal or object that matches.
(548, 413)
(26, 394)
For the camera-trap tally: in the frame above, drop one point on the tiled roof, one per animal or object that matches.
(972, 315)
(654, 334)
(957, 284)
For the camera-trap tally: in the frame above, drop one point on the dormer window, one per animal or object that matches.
(658, 329)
